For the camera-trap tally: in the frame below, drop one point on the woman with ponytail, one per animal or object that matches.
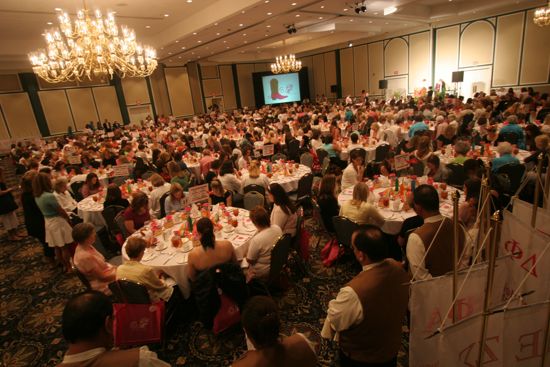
(210, 253)
(266, 348)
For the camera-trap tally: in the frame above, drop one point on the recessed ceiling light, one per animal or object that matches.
(293, 4)
(183, 48)
(215, 23)
(245, 41)
(297, 15)
(169, 60)
(179, 57)
(390, 10)
(192, 53)
(169, 53)
(322, 6)
(147, 26)
(162, 48)
(194, 33)
(345, 9)
(224, 41)
(240, 25)
(386, 23)
(244, 34)
(199, 41)
(376, 13)
(49, 23)
(266, 1)
(268, 26)
(265, 35)
(320, 17)
(177, 41)
(269, 13)
(370, 21)
(257, 46)
(58, 9)
(198, 57)
(351, 20)
(189, 1)
(227, 47)
(166, 15)
(217, 34)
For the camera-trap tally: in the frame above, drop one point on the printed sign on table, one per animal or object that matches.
(401, 162)
(74, 159)
(199, 143)
(121, 170)
(198, 193)
(268, 149)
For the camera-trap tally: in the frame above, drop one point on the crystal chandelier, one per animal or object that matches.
(92, 47)
(285, 64)
(542, 16)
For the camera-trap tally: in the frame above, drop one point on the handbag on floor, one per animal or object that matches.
(331, 252)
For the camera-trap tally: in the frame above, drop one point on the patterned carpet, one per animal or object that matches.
(33, 294)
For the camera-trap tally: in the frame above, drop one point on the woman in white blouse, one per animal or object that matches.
(64, 198)
(229, 179)
(284, 212)
(255, 177)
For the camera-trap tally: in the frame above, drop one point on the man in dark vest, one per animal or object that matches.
(430, 246)
(367, 314)
(87, 324)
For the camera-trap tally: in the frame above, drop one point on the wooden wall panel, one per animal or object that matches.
(10, 83)
(346, 71)
(160, 92)
(82, 106)
(360, 68)
(177, 82)
(307, 62)
(4, 135)
(228, 87)
(396, 57)
(246, 87)
(419, 61)
(319, 75)
(107, 104)
(477, 44)
(330, 72)
(376, 66)
(57, 111)
(262, 67)
(19, 115)
(446, 53)
(211, 87)
(507, 49)
(209, 72)
(535, 67)
(135, 91)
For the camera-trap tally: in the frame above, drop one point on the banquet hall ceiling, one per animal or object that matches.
(238, 30)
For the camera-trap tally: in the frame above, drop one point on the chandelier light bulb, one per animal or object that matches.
(285, 64)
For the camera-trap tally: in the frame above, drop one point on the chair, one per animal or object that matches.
(20, 169)
(80, 276)
(306, 159)
(162, 202)
(296, 244)
(457, 175)
(72, 167)
(76, 190)
(254, 187)
(381, 152)
(119, 220)
(344, 228)
(119, 181)
(321, 154)
(514, 173)
(253, 199)
(109, 214)
(362, 152)
(279, 259)
(293, 149)
(277, 157)
(325, 165)
(510, 137)
(147, 174)
(125, 291)
(304, 187)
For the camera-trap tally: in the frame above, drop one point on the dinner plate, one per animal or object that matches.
(180, 259)
(149, 256)
(161, 246)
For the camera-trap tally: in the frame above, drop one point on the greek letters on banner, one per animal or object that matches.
(198, 193)
(526, 247)
(268, 149)
(523, 211)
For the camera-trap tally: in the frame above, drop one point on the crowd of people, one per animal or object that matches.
(333, 140)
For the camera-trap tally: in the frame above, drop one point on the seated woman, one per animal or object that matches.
(218, 195)
(91, 185)
(89, 261)
(423, 149)
(359, 210)
(160, 187)
(63, 196)
(255, 177)
(327, 201)
(179, 176)
(284, 212)
(229, 179)
(266, 347)
(461, 150)
(174, 201)
(114, 197)
(137, 213)
(244, 161)
(467, 211)
(134, 271)
(436, 171)
(259, 249)
(212, 252)
(504, 150)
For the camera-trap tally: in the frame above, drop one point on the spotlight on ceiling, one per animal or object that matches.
(350, 44)
(360, 7)
(291, 28)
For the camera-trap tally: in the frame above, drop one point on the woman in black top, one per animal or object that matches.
(114, 197)
(327, 201)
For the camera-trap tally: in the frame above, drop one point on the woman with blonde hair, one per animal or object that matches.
(218, 194)
(423, 149)
(359, 210)
(174, 201)
(160, 187)
(254, 176)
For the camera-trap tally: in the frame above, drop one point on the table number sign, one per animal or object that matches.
(268, 150)
(198, 193)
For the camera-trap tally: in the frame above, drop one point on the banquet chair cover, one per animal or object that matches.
(344, 228)
(279, 259)
(306, 159)
(253, 199)
(254, 187)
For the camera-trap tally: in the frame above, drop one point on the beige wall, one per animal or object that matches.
(318, 63)
(446, 53)
(508, 49)
(82, 105)
(476, 44)
(19, 115)
(376, 66)
(246, 87)
(228, 87)
(196, 87)
(107, 103)
(396, 57)
(346, 71)
(179, 91)
(160, 92)
(57, 111)
(135, 91)
(535, 65)
(360, 68)
(330, 72)
(419, 60)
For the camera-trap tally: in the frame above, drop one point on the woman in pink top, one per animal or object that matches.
(89, 261)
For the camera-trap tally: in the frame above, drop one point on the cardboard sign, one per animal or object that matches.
(198, 193)
(74, 159)
(199, 143)
(110, 135)
(121, 170)
(401, 162)
(268, 149)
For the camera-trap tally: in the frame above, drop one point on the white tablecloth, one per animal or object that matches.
(90, 211)
(173, 261)
(394, 219)
(103, 178)
(449, 155)
(370, 149)
(290, 182)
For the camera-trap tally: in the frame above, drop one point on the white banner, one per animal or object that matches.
(530, 255)
(523, 210)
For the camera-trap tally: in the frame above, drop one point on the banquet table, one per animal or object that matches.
(393, 219)
(289, 181)
(370, 149)
(103, 177)
(173, 261)
(449, 155)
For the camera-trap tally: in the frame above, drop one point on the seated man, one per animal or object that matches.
(136, 272)
(87, 324)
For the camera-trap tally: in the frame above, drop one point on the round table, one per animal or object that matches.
(393, 220)
(448, 157)
(103, 177)
(173, 261)
(289, 181)
(370, 149)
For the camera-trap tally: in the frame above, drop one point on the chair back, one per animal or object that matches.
(162, 203)
(359, 151)
(76, 190)
(325, 165)
(279, 257)
(304, 186)
(119, 181)
(510, 137)
(457, 176)
(514, 173)
(109, 214)
(306, 159)
(126, 291)
(119, 220)
(296, 238)
(316, 214)
(147, 175)
(73, 167)
(381, 152)
(344, 228)
(390, 137)
(80, 276)
(254, 187)
(321, 154)
(293, 147)
(277, 157)
(253, 199)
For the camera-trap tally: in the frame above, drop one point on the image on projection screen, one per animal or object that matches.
(281, 88)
